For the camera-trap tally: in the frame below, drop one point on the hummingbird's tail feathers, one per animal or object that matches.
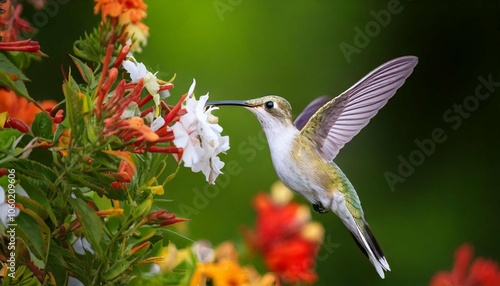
(361, 233)
(369, 246)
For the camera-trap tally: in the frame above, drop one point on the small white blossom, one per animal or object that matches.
(198, 133)
(138, 71)
(164, 94)
(157, 123)
(81, 245)
(6, 209)
(72, 281)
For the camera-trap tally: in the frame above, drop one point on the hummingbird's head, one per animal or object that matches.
(271, 110)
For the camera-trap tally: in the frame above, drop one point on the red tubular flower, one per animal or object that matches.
(482, 272)
(163, 218)
(29, 46)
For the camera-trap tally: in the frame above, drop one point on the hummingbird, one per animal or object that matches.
(302, 151)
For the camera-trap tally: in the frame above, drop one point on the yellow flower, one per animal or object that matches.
(224, 273)
(139, 34)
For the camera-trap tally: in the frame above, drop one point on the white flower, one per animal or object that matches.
(138, 71)
(81, 245)
(6, 209)
(157, 123)
(72, 281)
(198, 133)
(203, 251)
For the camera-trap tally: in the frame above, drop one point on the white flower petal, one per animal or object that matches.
(131, 68)
(20, 191)
(157, 124)
(200, 137)
(155, 269)
(4, 213)
(142, 71)
(191, 88)
(72, 281)
(81, 245)
(2, 195)
(164, 94)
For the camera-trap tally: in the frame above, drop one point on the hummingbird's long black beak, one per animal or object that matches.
(228, 102)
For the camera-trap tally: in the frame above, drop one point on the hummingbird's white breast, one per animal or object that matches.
(297, 175)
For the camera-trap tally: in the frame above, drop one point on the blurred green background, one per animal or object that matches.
(239, 49)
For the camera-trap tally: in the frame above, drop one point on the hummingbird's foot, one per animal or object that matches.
(319, 208)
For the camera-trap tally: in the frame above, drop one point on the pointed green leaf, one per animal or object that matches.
(12, 78)
(116, 269)
(31, 233)
(89, 47)
(85, 71)
(74, 107)
(32, 205)
(91, 223)
(35, 170)
(37, 191)
(56, 264)
(7, 138)
(42, 126)
(8, 67)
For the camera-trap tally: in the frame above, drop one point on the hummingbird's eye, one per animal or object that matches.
(269, 104)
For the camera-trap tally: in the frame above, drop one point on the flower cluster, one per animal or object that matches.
(285, 236)
(129, 14)
(12, 28)
(198, 133)
(221, 267)
(482, 272)
(96, 202)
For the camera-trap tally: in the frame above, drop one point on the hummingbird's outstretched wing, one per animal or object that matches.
(340, 119)
(310, 109)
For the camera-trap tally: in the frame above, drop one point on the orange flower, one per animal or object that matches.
(482, 272)
(224, 269)
(137, 124)
(20, 108)
(224, 273)
(128, 11)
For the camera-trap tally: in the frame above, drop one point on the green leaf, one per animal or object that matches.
(145, 233)
(32, 205)
(38, 192)
(85, 71)
(74, 108)
(29, 230)
(58, 268)
(22, 60)
(35, 170)
(12, 78)
(7, 138)
(8, 67)
(42, 126)
(116, 269)
(91, 224)
(89, 47)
